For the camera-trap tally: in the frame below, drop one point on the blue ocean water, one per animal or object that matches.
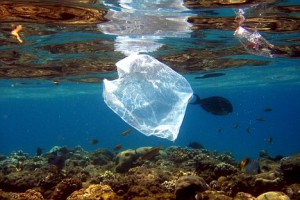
(40, 114)
(36, 113)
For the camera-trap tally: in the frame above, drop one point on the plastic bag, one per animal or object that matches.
(254, 43)
(134, 45)
(149, 96)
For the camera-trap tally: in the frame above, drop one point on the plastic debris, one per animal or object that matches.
(149, 96)
(253, 42)
(240, 18)
(129, 45)
(140, 25)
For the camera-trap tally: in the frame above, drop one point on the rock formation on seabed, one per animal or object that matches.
(173, 173)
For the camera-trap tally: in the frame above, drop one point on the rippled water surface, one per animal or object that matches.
(51, 83)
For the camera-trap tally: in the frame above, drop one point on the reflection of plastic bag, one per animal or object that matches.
(254, 43)
(149, 96)
(131, 45)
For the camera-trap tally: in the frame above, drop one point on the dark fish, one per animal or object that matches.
(248, 130)
(38, 151)
(269, 140)
(25, 83)
(268, 109)
(215, 105)
(219, 130)
(94, 141)
(195, 145)
(235, 125)
(128, 131)
(56, 158)
(154, 151)
(117, 147)
(210, 75)
(260, 119)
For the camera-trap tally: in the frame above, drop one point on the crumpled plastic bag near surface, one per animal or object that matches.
(254, 43)
(149, 96)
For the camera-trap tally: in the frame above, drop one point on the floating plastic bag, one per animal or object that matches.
(149, 96)
(254, 43)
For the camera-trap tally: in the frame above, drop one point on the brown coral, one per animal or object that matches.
(150, 179)
(95, 191)
(291, 168)
(28, 194)
(187, 187)
(65, 188)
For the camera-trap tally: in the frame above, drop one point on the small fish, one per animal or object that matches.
(235, 125)
(268, 109)
(154, 151)
(56, 82)
(243, 163)
(38, 151)
(260, 119)
(195, 145)
(15, 33)
(56, 158)
(94, 141)
(210, 75)
(250, 166)
(249, 130)
(219, 130)
(22, 83)
(269, 140)
(128, 131)
(117, 147)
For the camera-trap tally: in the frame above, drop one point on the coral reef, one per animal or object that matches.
(293, 191)
(65, 188)
(130, 158)
(145, 173)
(273, 195)
(186, 187)
(95, 191)
(28, 194)
(290, 167)
(125, 160)
(213, 195)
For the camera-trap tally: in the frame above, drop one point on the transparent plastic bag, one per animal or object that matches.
(254, 43)
(149, 96)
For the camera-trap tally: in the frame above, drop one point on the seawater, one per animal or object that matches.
(36, 113)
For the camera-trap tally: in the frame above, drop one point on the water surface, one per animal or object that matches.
(79, 52)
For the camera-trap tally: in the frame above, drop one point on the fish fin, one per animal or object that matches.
(196, 101)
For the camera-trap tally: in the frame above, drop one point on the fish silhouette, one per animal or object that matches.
(268, 109)
(215, 105)
(128, 131)
(117, 147)
(210, 75)
(94, 141)
(195, 145)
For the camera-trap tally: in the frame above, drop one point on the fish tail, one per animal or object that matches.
(197, 101)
